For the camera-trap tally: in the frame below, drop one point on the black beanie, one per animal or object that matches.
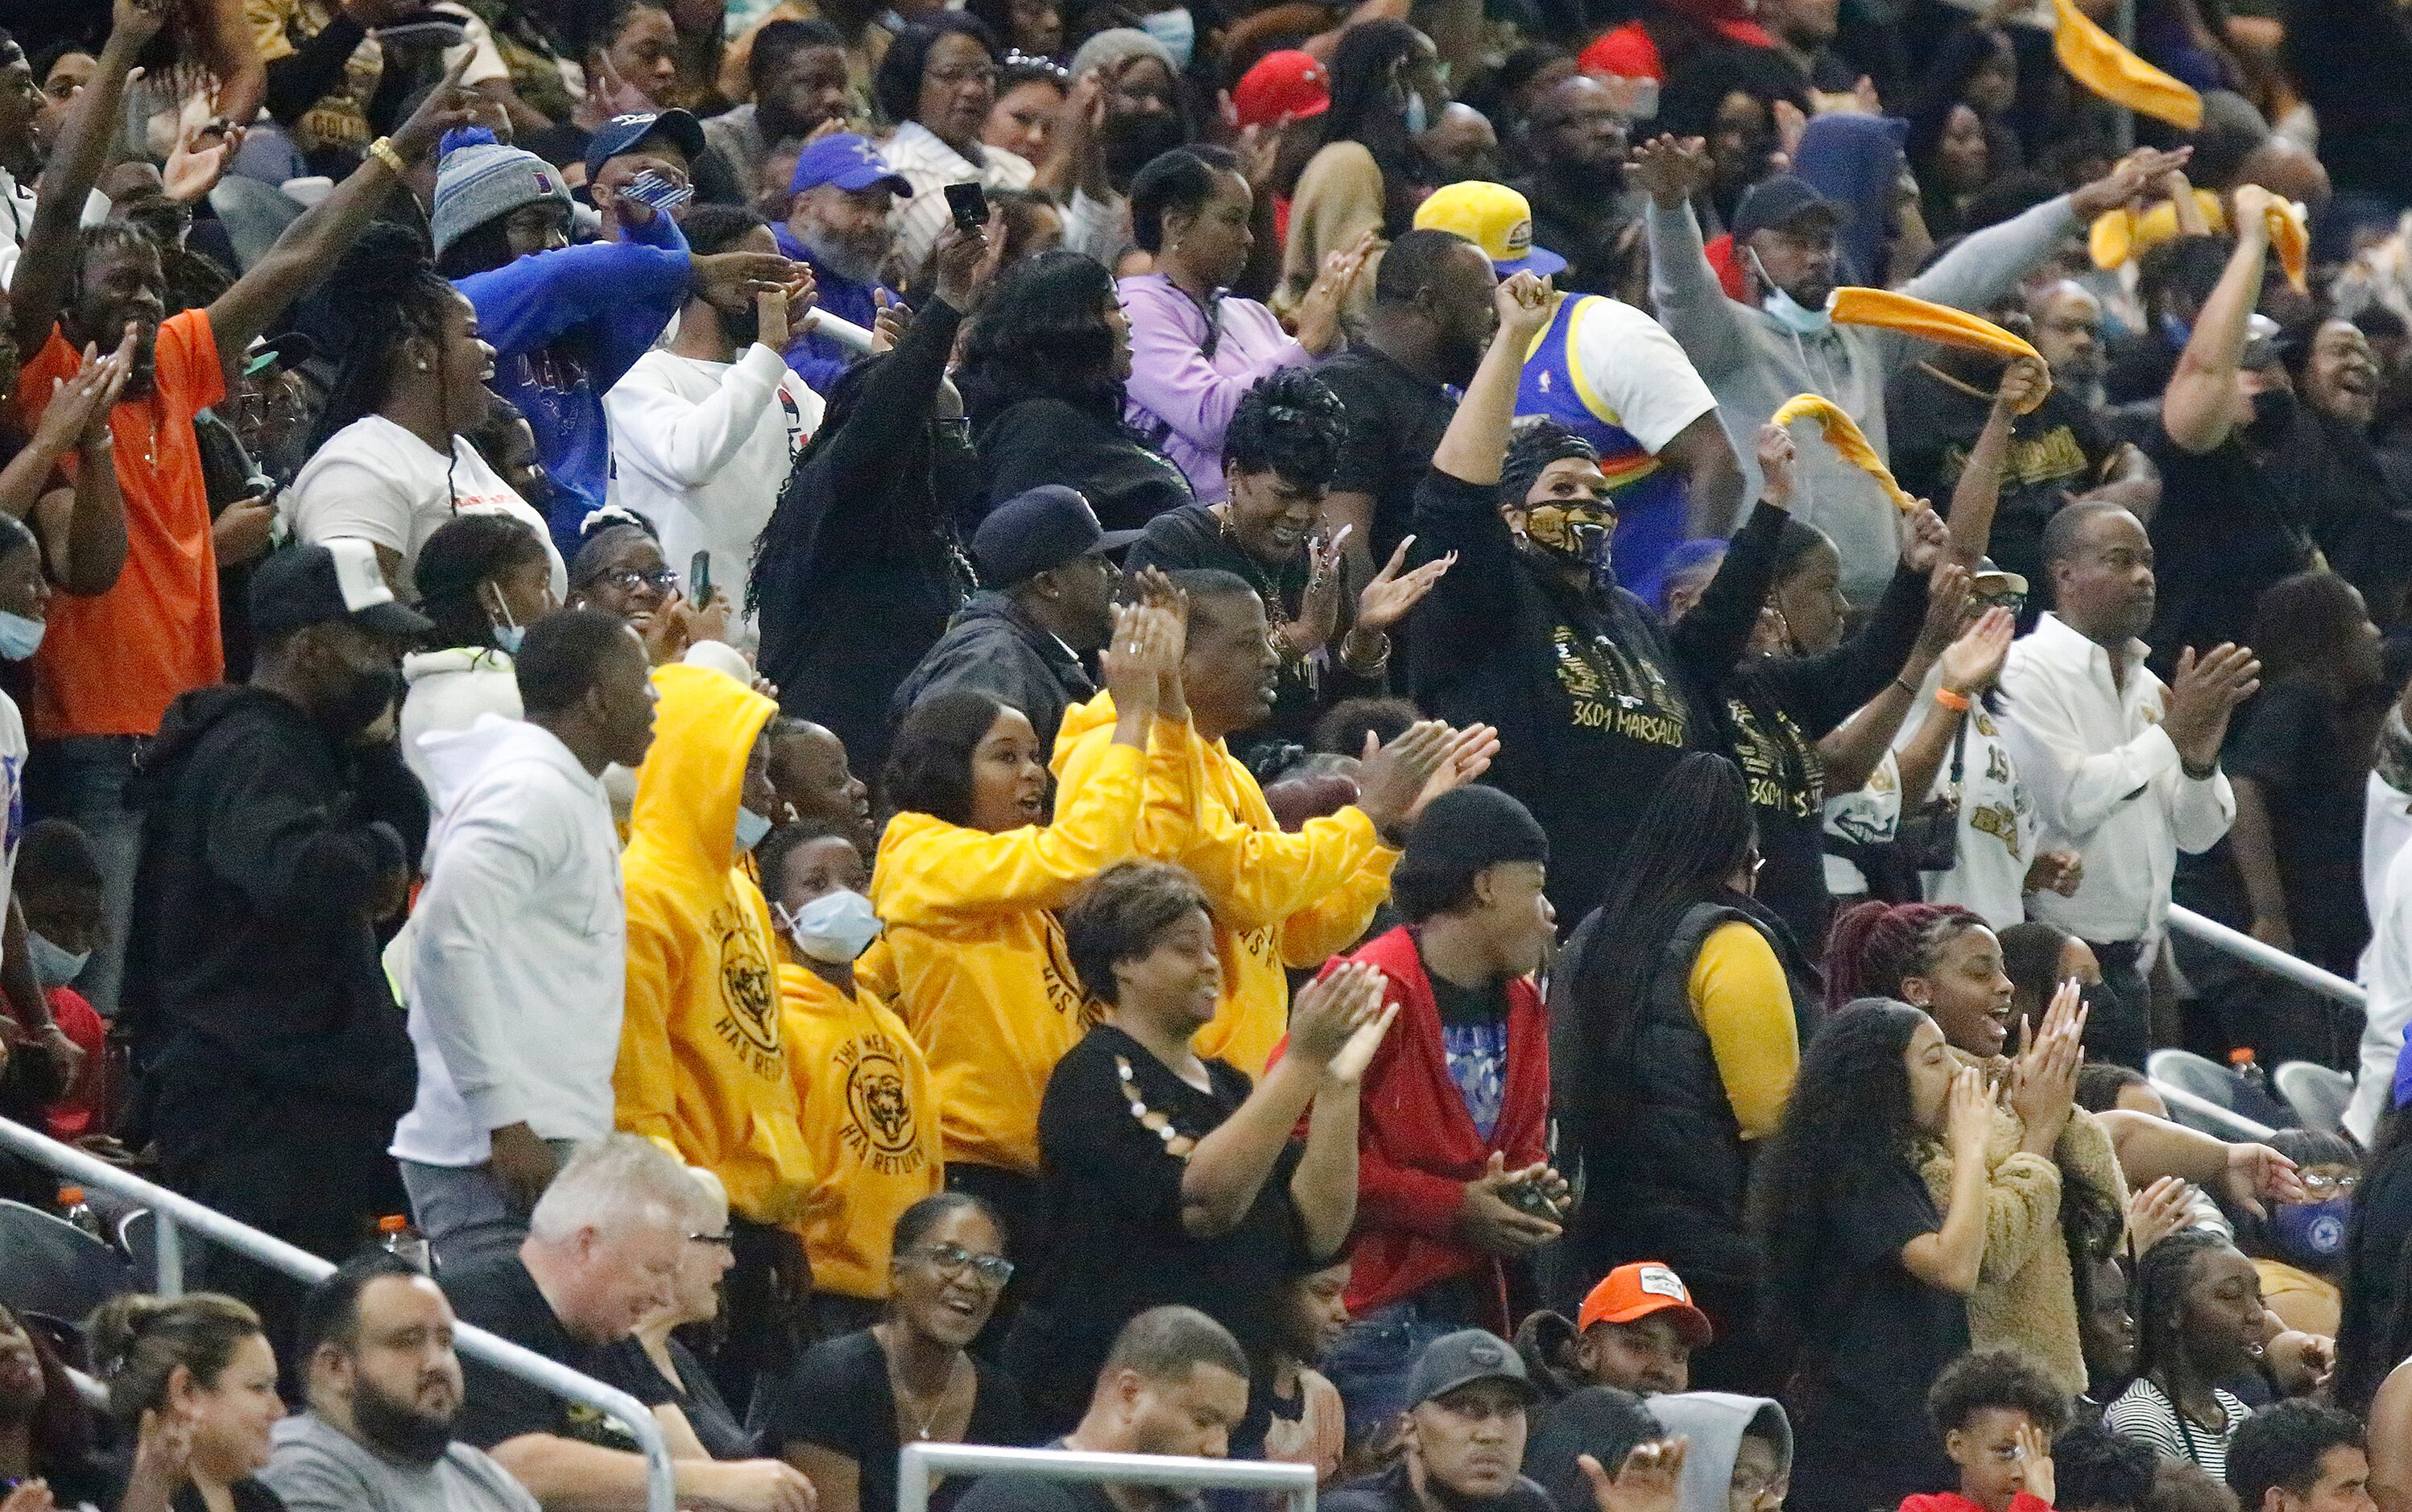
(1461, 832)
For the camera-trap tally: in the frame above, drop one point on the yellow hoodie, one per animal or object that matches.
(868, 1121)
(703, 1066)
(978, 962)
(1279, 898)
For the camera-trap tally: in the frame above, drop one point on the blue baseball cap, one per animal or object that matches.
(622, 134)
(849, 162)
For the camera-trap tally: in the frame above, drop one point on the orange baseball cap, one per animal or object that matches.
(1631, 1292)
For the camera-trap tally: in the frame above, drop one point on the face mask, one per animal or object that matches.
(1790, 313)
(1579, 533)
(19, 636)
(834, 928)
(1418, 114)
(53, 965)
(1176, 29)
(2311, 1230)
(1133, 141)
(510, 633)
(751, 828)
(2273, 414)
(355, 706)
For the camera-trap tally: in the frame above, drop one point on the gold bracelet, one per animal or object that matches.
(382, 150)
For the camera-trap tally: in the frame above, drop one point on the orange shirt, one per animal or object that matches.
(110, 665)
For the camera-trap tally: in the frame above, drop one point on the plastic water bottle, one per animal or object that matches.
(2248, 1070)
(75, 1210)
(397, 1238)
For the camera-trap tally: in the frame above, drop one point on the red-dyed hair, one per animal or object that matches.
(1874, 946)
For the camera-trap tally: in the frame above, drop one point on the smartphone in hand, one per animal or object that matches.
(970, 203)
(699, 580)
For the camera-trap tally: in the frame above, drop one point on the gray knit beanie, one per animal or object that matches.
(1118, 45)
(479, 178)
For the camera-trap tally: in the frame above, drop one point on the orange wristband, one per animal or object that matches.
(1956, 702)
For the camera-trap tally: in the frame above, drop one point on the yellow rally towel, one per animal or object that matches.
(2291, 240)
(1933, 322)
(2120, 236)
(2097, 59)
(1842, 433)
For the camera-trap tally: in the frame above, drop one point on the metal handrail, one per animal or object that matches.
(174, 1210)
(2244, 1129)
(2212, 933)
(915, 1464)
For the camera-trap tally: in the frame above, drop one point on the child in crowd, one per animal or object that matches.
(1998, 1414)
(58, 883)
(1309, 1427)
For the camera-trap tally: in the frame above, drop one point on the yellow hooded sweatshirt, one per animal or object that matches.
(869, 1122)
(1279, 898)
(703, 1066)
(977, 961)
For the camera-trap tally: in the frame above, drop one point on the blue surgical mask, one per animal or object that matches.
(751, 828)
(510, 634)
(1419, 113)
(19, 636)
(1794, 316)
(1176, 29)
(2311, 1231)
(834, 928)
(53, 965)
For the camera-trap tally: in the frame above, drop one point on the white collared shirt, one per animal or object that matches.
(928, 165)
(2107, 781)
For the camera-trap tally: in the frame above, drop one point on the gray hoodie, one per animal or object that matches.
(1753, 363)
(1715, 1422)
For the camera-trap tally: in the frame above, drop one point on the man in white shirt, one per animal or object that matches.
(2124, 769)
(518, 956)
(704, 438)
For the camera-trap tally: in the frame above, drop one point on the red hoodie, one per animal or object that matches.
(1954, 1501)
(1416, 1144)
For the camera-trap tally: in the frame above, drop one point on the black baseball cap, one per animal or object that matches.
(1781, 200)
(1045, 527)
(314, 582)
(1460, 1359)
(622, 133)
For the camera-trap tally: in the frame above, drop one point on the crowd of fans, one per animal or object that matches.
(1449, 739)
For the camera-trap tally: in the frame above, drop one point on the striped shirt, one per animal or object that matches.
(2143, 1413)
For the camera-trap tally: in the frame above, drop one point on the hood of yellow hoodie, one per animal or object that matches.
(704, 728)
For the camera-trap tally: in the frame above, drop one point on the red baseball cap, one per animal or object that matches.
(1632, 1292)
(1625, 53)
(1288, 82)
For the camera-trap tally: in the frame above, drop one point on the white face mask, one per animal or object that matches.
(1794, 316)
(834, 928)
(1176, 29)
(54, 966)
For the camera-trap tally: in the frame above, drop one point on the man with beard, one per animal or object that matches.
(2124, 768)
(704, 438)
(838, 226)
(1778, 341)
(383, 1388)
(798, 71)
(1430, 321)
(280, 828)
(1112, 128)
(1174, 1384)
(1937, 408)
(1468, 1403)
(1580, 210)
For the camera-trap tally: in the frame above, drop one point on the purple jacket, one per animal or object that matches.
(1179, 397)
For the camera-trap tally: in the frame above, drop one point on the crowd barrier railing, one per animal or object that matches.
(918, 1462)
(2267, 957)
(173, 1212)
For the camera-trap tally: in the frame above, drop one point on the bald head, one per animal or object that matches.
(2068, 321)
(2283, 168)
(1575, 125)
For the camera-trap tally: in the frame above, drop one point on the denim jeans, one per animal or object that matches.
(464, 1212)
(1370, 1361)
(82, 780)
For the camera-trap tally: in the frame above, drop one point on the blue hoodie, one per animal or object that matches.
(1856, 161)
(565, 325)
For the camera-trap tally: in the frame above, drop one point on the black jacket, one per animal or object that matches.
(1649, 1119)
(993, 646)
(252, 968)
(1049, 441)
(859, 570)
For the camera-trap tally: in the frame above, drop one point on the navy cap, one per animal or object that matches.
(335, 579)
(1032, 532)
(1780, 202)
(622, 133)
(1462, 1358)
(847, 161)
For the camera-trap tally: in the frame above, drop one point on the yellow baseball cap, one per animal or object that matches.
(1494, 217)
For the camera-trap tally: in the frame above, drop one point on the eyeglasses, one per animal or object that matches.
(628, 580)
(995, 1270)
(984, 73)
(1746, 1487)
(2319, 1183)
(954, 428)
(725, 1239)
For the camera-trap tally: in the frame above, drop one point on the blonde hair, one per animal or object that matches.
(137, 1340)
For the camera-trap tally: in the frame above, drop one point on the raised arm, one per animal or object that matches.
(38, 288)
(2201, 408)
(1684, 288)
(1979, 491)
(1475, 446)
(315, 243)
(1951, 1258)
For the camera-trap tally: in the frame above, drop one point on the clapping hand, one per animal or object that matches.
(1386, 600)
(1648, 1481)
(1338, 1020)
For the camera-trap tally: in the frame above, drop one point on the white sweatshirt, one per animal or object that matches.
(518, 955)
(702, 450)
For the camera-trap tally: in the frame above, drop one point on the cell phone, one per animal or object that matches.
(699, 579)
(970, 206)
(1530, 1198)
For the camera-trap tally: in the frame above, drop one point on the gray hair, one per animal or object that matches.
(620, 1178)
